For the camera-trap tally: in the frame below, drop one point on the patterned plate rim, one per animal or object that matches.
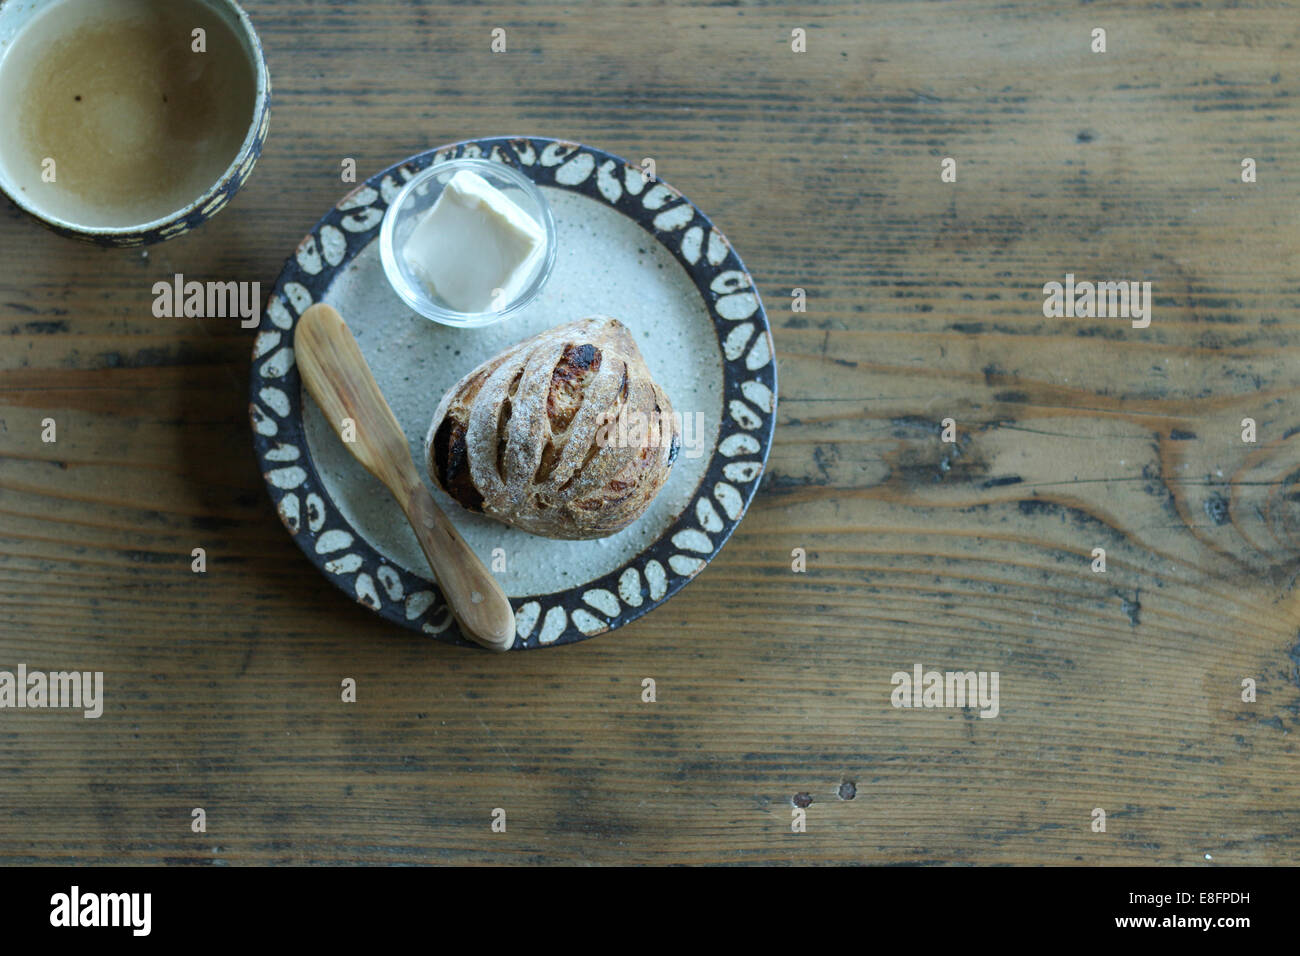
(640, 584)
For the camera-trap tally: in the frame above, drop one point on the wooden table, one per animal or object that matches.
(1119, 690)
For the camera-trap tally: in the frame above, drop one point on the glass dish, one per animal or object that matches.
(415, 200)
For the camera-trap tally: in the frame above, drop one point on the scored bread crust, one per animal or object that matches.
(532, 437)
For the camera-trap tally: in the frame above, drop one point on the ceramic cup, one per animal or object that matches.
(179, 158)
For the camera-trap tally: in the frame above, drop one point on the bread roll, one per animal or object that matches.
(565, 435)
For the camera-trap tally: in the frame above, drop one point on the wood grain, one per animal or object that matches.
(1119, 690)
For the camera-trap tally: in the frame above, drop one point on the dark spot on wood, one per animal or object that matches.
(147, 557)
(774, 481)
(1109, 333)
(39, 328)
(919, 465)
(251, 637)
(1177, 434)
(915, 421)
(153, 358)
(1085, 136)
(823, 459)
(1018, 398)
(1216, 506)
(1004, 480)
(848, 790)
(212, 523)
(803, 800)
(1132, 608)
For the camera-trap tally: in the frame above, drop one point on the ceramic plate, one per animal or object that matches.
(627, 247)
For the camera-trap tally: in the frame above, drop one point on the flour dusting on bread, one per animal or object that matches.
(565, 435)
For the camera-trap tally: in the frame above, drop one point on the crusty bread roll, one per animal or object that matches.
(565, 435)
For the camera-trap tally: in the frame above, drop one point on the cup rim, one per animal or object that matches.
(452, 317)
(261, 99)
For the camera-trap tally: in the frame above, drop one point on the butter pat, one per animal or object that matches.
(475, 249)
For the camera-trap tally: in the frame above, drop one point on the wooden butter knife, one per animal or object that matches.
(338, 378)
